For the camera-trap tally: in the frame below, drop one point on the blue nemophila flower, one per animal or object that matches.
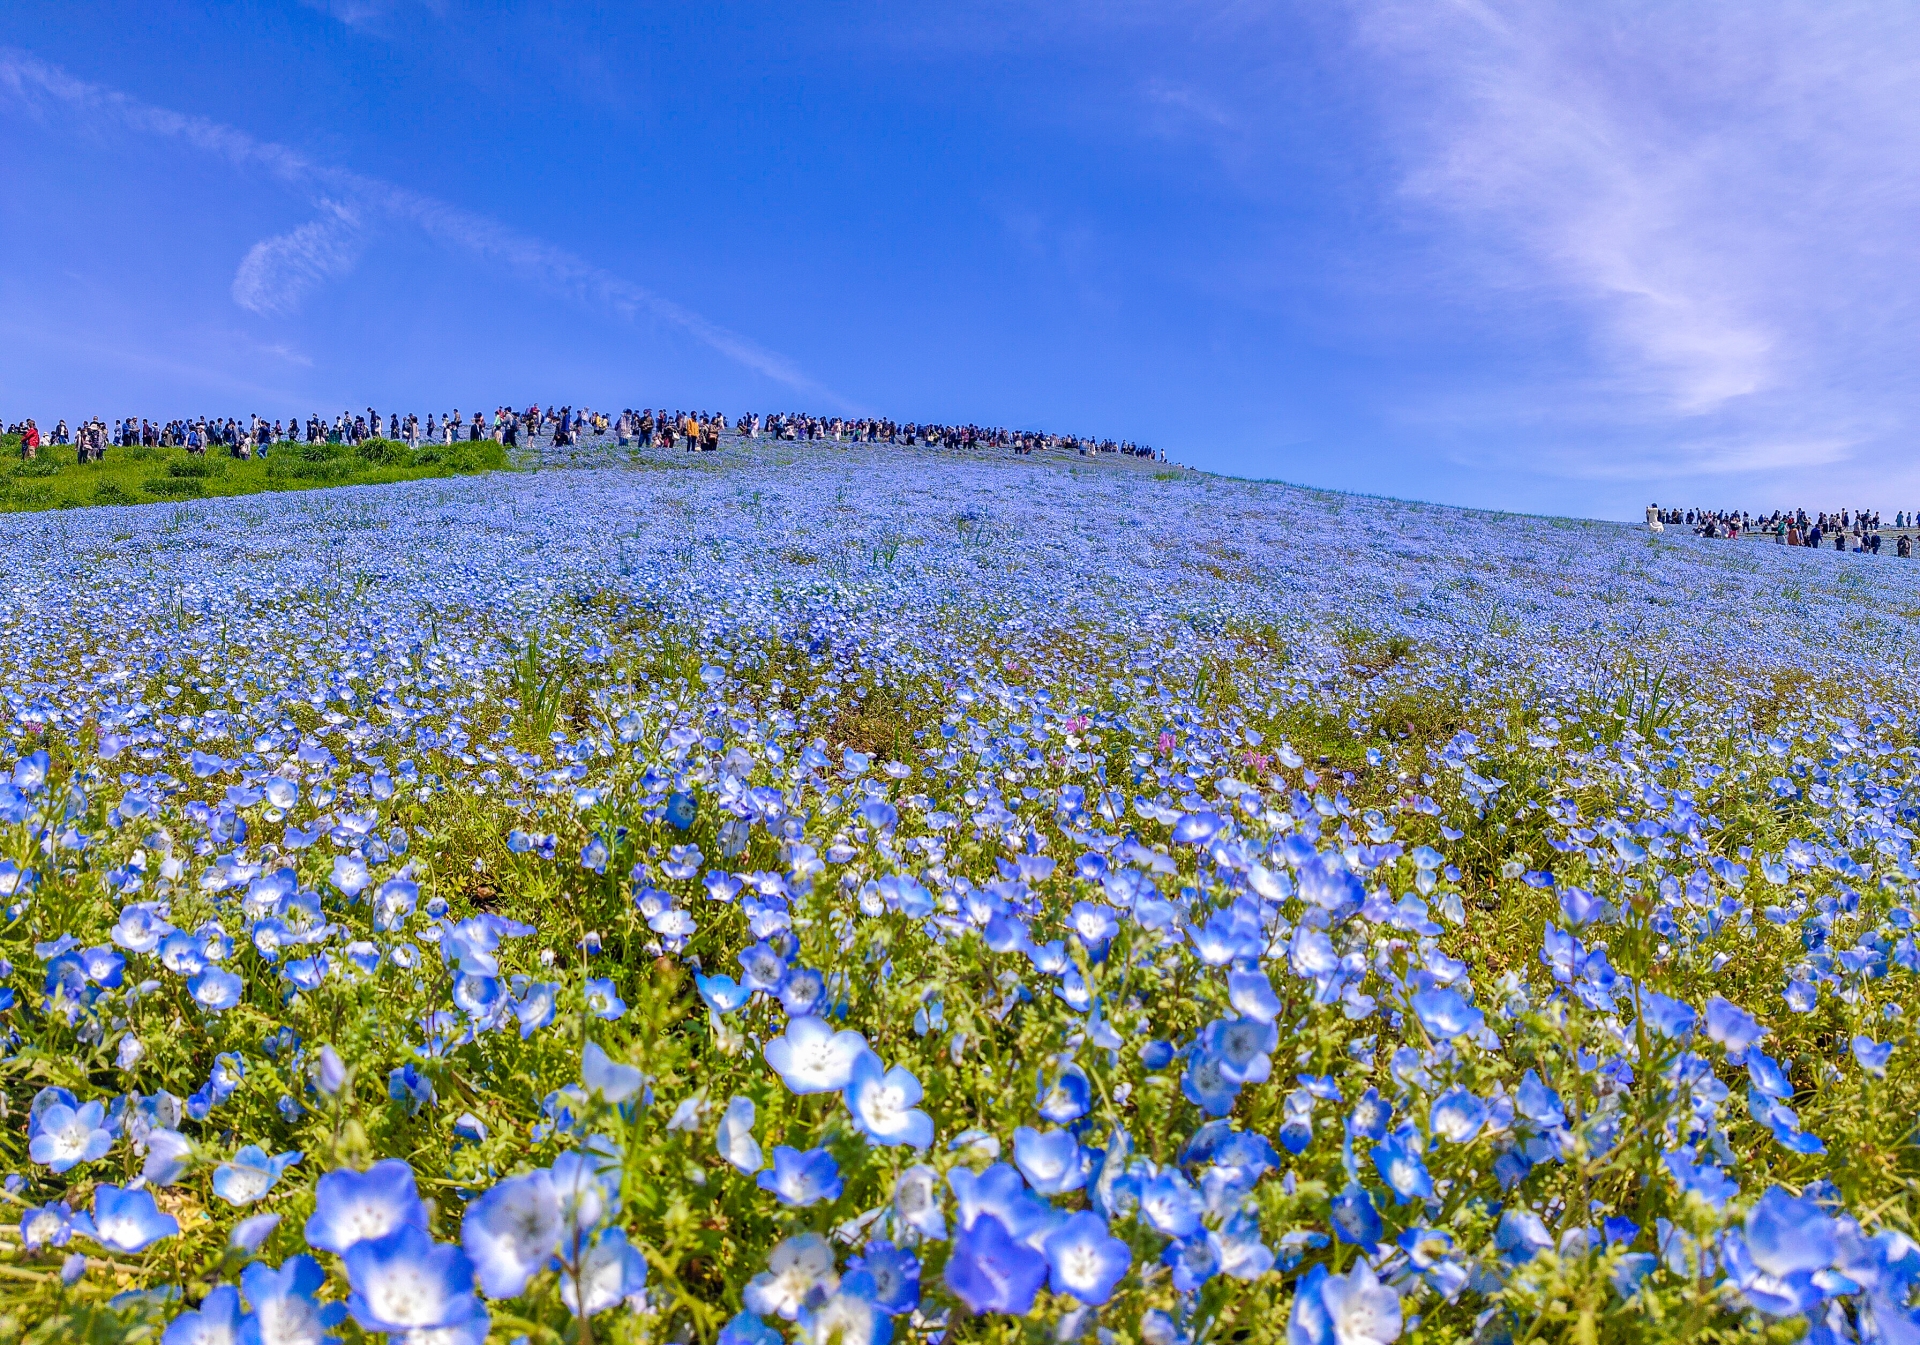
(799, 1276)
(535, 1007)
(217, 1322)
(763, 967)
(250, 1232)
(610, 1271)
(1065, 1094)
(1446, 1013)
(1731, 1026)
(1084, 1259)
(51, 1225)
(1251, 994)
(810, 1057)
(734, 1138)
(1205, 1084)
(1872, 1055)
(1457, 1115)
(991, 1272)
(603, 1076)
(883, 1104)
(1240, 1046)
(743, 1328)
(1370, 1117)
(1350, 1309)
(65, 1135)
(1170, 1204)
(169, 1153)
(1704, 1179)
(351, 874)
(1539, 1103)
(351, 1206)
(594, 855)
(329, 1073)
(998, 1190)
(394, 902)
(1401, 1167)
(1670, 1018)
(1052, 1161)
(803, 991)
(511, 1231)
(603, 1001)
(405, 1281)
(216, 990)
(1198, 828)
(284, 1305)
(681, 810)
(894, 1274)
(251, 1174)
(721, 994)
(916, 1201)
(1522, 1235)
(407, 1084)
(1355, 1219)
(801, 1179)
(1193, 1261)
(1787, 1241)
(127, 1221)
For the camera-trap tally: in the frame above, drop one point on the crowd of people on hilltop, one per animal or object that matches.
(1843, 530)
(697, 432)
(555, 426)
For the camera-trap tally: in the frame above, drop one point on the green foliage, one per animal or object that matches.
(142, 475)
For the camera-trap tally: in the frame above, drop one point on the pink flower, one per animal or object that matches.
(1166, 742)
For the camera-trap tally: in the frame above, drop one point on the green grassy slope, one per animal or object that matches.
(55, 480)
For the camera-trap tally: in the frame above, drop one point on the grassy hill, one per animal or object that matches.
(56, 480)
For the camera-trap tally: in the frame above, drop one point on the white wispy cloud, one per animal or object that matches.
(1721, 190)
(371, 13)
(278, 271)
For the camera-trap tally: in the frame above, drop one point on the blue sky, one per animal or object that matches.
(1552, 257)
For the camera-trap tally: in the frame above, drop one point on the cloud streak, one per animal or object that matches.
(278, 272)
(1723, 192)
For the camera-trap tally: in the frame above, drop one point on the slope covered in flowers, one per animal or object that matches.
(837, 894)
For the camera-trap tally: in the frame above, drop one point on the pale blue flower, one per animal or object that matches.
(511, 1231)
(801, 1179)
(734, 1139)
(404, 1281)
(1084, 1260)
(1732, 1026)
(612, 1081)
(65, 1136)
(603, 1001)
(1446, 1014)
(217, 1322)
(1051, 1161)
(810, 1057)
(883, 1104)
(251, 1174)
(1872, 1055)
(128, 1221)
(350, 1206)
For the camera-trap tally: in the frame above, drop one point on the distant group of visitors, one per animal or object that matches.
(695, 431)
(1843, 530)
(701, 433)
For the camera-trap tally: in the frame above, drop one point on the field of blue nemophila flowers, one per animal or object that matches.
(865, 896)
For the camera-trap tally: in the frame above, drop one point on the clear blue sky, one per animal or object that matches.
(1553, 256)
